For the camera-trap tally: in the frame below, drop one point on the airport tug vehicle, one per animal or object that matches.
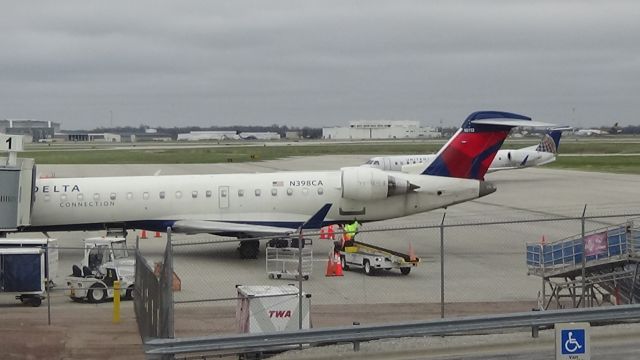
(372, 258)
(105, 261)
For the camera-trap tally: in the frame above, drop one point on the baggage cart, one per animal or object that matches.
(22, 272)
(283, 255)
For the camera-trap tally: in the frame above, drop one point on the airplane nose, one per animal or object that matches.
(486, 188)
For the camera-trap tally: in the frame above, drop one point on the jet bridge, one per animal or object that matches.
(17, 177)
(611, 267)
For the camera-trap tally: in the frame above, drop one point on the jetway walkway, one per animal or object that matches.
(17, 177)
(611, 267)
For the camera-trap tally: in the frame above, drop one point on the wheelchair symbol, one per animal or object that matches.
(572, 345)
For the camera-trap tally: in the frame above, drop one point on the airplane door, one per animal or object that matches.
(223, 197)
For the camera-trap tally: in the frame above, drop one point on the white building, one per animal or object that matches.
(208, 135)
(260, 136)
(380, 129)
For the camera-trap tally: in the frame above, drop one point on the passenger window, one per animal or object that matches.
(240, 193)
(63, 197)
(320, 191)
(129, 196)
(47, 197)
(194, 194)
(178, 194)
(112, 196)
(274, 192)
(96, 196)
(145, 195)
(223, 193)
(289, 191)
(80, 197)
(208, 193)
(305, 191)
(257, 192)
(162, 194)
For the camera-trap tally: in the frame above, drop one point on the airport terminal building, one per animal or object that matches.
(379, 129)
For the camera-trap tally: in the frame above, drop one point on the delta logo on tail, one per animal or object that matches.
(475, 144)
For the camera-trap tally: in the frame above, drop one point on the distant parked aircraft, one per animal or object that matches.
(536, 155)
(590, 132)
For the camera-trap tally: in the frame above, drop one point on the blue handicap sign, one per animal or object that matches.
(573, 341)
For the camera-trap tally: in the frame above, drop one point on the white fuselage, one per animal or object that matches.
(504, 160)
(268, 198)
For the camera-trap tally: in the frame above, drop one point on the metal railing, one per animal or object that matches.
(275, 340)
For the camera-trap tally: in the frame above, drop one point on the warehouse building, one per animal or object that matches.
(380, 129)
(32, 130)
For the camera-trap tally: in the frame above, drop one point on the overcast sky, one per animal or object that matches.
(317, 63)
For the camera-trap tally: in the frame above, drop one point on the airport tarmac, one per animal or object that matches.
(485, 267)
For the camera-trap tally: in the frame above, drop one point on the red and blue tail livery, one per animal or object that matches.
(471, 150)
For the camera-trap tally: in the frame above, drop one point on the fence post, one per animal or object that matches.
(300, 279)
(48, 267)
(166, 289)
(584, 261)
(442, 265)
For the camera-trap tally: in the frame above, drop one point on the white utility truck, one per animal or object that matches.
(99, 288)
(106, 259)
(373, 258)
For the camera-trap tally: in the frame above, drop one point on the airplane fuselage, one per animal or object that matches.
(283, 199)
(503, 160)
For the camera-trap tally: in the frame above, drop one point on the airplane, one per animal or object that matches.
(536, 155)
(590, 132)
(247, 206)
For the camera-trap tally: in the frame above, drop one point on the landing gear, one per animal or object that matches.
(249, 249)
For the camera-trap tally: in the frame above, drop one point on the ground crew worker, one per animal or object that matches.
(350, 231)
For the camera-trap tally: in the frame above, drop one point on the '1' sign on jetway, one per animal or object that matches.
(572, 341)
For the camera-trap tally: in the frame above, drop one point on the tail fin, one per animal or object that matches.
(550, 142)
(472, 148)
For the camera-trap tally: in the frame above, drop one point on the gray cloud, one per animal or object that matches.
(317, 63)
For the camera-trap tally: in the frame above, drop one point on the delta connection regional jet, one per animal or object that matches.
(250, 205)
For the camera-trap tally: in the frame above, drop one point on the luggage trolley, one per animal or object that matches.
(283, 256)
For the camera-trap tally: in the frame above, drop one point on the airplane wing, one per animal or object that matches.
(221, 227)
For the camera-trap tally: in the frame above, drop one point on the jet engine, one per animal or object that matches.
(365, 183)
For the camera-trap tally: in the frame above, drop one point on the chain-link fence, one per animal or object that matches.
(467, 266)
(465, 269)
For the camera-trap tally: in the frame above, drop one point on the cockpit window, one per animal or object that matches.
(376, 162)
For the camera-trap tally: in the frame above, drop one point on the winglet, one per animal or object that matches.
(316, 221)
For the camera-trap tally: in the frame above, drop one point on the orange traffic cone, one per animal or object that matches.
(322, 233)
(330, 233)
(412, 254)
(330, 267)
(158, 234)
(143, 234)
(337, 268)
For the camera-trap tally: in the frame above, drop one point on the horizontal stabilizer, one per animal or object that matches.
(512, 122)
